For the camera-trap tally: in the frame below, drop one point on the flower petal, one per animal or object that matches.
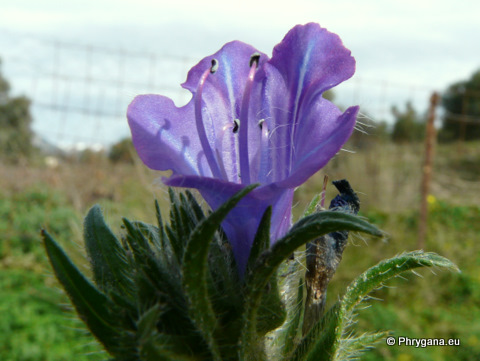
(326, 130)
(165, 136)
(311, 60)
(242, 222)
(307, 62)
(222, 98)
(291, 131)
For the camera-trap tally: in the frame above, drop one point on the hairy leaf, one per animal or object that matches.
(303, 231)
(92, 305)
(195, 271)
(328, 340)
(107, 256)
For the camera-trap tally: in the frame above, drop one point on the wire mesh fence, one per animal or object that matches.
(80, 92)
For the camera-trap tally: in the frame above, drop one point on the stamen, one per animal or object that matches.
(255, 58)
(207, 149)
(260, 123)
(243, 136)
(263, 167)
(214, 67)
(235, 126)
(219, 149)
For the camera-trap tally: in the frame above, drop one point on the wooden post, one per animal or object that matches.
(427, 170)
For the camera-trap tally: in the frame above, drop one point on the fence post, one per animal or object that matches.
(427, 170)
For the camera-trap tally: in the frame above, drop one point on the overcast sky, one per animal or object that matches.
(414, 42)
(428, 41)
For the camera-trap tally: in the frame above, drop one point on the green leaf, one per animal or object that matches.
(321, 223)
(271, 313)
(262, 239)
(151, 232)
(180, 225)
(328, 337)
(312, 205)
(158, 346)
(185, 214)
(107, 256)
(139, 242)
(375, 276)
(161, 283)
(190, 204)
(317, 344)
(293, 326)
(224, 282)
(353, 347)
(303, 231)
(92, 305)
(161, 228)
(195, 267)
(147, 324)
(153, 279)
(320, 348)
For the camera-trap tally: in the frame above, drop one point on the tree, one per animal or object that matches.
(122, 151)
(461, 102)
(15, 121)
(408, 126)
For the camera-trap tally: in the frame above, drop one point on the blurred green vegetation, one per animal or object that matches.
(15, 120)
(442, 305)
(408, 126)
(122, 151)
(23, 214)
(461, 103)
(36, 322)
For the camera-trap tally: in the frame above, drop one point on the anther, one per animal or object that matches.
(235, 126)
(260, 123)
(255, 58)
(214, 66)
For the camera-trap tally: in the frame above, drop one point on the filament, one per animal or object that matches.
(243, 133)
(263, 166)
(207, 149)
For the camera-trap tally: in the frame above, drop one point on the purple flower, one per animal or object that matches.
(251, 120)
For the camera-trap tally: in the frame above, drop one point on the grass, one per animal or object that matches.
(435, 304)
(36, 323)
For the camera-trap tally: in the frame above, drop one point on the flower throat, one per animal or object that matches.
(240, 126)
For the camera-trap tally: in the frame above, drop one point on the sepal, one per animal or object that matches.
(271, 313)
(195, 268)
